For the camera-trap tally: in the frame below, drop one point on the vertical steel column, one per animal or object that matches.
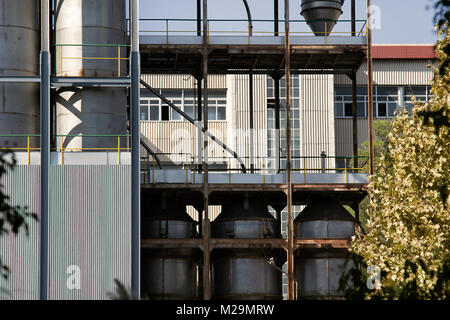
(353, 18)
(45, 146)
(275, 18)
(206, 222)
(290, 220)
(252, 146)
(199, 119)
(370, 86)
(355, 121)
(277, 120)
(199, 18)
(135, 148)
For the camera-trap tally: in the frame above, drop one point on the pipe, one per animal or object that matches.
(135, 148)
(199, 18)
(354, 120)
(275, 14)
(370, 87)
(45, 147)
(188, 118)
(353, 18)
(249, 15)
(290, 220)
(252, 147)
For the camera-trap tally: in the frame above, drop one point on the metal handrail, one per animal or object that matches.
(118, 57)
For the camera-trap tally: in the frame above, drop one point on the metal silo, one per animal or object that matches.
(245, 273)
(321, 15)
(19, 56)
(84, 110)
(169, 273)
(318, 270)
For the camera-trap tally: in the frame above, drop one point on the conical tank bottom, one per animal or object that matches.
(321, 16)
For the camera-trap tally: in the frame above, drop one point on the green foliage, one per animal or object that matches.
(408, 232)
(12, 218)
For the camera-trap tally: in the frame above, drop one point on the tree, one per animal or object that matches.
(381, 149)
(12, 218)
(408, 232)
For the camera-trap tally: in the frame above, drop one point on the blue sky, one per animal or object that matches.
(402, 21)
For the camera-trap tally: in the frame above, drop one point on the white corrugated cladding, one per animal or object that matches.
(344, 134)
(171, 81)
(392, 72)
(239, 120)
(21, 253)
(89, 225)
(182, 137)
(317, 117)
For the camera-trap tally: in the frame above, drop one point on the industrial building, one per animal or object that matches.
(181, 188)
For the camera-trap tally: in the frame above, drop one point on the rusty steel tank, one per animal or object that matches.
(169, 274)
(318, 270)
(246, 274)
(322, 15)
(19, 56)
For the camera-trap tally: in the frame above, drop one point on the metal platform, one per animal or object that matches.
(228, 55)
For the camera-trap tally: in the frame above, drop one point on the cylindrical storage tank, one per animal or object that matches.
(246, 274)
(19, 56)
(318, 270)
(100, 26)
(169, 274)
(321, 15)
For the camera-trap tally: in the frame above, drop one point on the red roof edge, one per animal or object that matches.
(404, 52)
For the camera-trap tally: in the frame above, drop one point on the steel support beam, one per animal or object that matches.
(275, 18)
(206, 221)
(277, 122)
(45, 146)
(135, 148)
(290, 220)
(354, 120)
(252, 144)
(90, 82)
(353, 18)
(370, 86)
(20, 79)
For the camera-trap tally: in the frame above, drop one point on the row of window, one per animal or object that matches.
(153, 109)
(386, 100)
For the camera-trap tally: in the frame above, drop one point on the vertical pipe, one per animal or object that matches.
(206, 222)
(354, 120)
(199, 119)
(290, 221)
(135, 148)
(353, 18)
(252, 147)
(370, 86)
(275, 18)
(199, 18)
(45, 146)
(277, 120)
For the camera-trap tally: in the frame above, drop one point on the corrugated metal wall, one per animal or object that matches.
(344, 135)
(392, 72)
(317, 117)
(238, 117)
(182, 137)
(171, 81)
(21, 253)
(90, 226)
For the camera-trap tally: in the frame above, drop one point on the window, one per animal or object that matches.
(348, 109)
(153, 109)
(385, 100)
(382, 110)
(295, 121)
